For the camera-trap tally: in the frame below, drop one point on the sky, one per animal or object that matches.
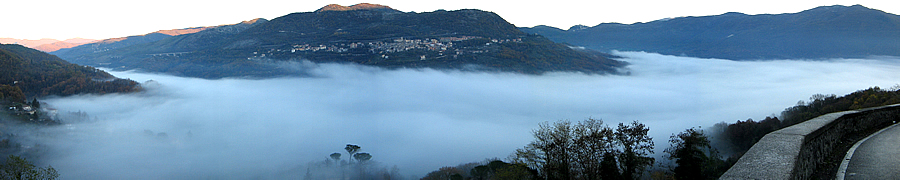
(101, 19)
(417, 119)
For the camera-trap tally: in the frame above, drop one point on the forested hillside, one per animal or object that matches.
(35, 73)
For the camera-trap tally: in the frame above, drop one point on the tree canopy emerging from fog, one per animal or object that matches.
(334, 167)
(352, 149)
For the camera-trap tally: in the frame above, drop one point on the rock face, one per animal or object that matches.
(364, 34)
(822, 32)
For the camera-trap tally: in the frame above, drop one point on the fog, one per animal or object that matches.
(417, 119)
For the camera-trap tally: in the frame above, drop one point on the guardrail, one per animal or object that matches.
(794, 152)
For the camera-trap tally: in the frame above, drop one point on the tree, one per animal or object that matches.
(11, 94)
(362, 157)
(497, 169)
(352, 149)
(554, 142)
(586, 150)
(335, 156)
(19, 168)
(515, 172)
(592, 140)
(609, 169)
(444, 173)
(636, 148)
(694, 157)
(35, 104)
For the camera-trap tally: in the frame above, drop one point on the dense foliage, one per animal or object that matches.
(10, 94)
(36, 73)
(488, 170)
(17, 168)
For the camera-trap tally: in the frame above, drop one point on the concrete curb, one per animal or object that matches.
(842, 170)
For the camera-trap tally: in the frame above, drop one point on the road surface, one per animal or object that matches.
(878, 157)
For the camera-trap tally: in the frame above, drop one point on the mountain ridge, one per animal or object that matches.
(76, 54)
(373, 35)
(818, 33)
(360, 6)
(47, 44)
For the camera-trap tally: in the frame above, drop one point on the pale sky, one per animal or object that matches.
(101, 19)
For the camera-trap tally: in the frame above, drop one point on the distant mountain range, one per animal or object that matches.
(366, 34)
(47, 45)
(822, 32)
(29, 72)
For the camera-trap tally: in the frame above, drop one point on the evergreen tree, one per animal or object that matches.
(35, 104)
(609, 169)
(693, 155)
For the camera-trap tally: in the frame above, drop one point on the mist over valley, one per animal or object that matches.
(416, 119)
(371, 92)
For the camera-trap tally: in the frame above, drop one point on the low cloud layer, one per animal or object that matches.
(419, 120)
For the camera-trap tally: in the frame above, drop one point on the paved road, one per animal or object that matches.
(877, 158)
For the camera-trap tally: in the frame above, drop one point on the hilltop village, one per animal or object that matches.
(435, 47)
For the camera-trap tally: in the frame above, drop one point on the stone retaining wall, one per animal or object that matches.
(793, 152)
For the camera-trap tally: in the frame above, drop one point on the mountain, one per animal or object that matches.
(47, 45)
(161, 52)
(116, 43)
(122, 42)
(56, 46)
(366, 34)
(28, 42)
(823, 32)
(35, 73)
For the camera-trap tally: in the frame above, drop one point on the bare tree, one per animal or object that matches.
(587, 150)
(591, 139)
(554, 142)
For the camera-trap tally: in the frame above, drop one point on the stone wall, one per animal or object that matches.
(794, 152)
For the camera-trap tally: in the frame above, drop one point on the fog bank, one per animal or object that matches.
(417, 119)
